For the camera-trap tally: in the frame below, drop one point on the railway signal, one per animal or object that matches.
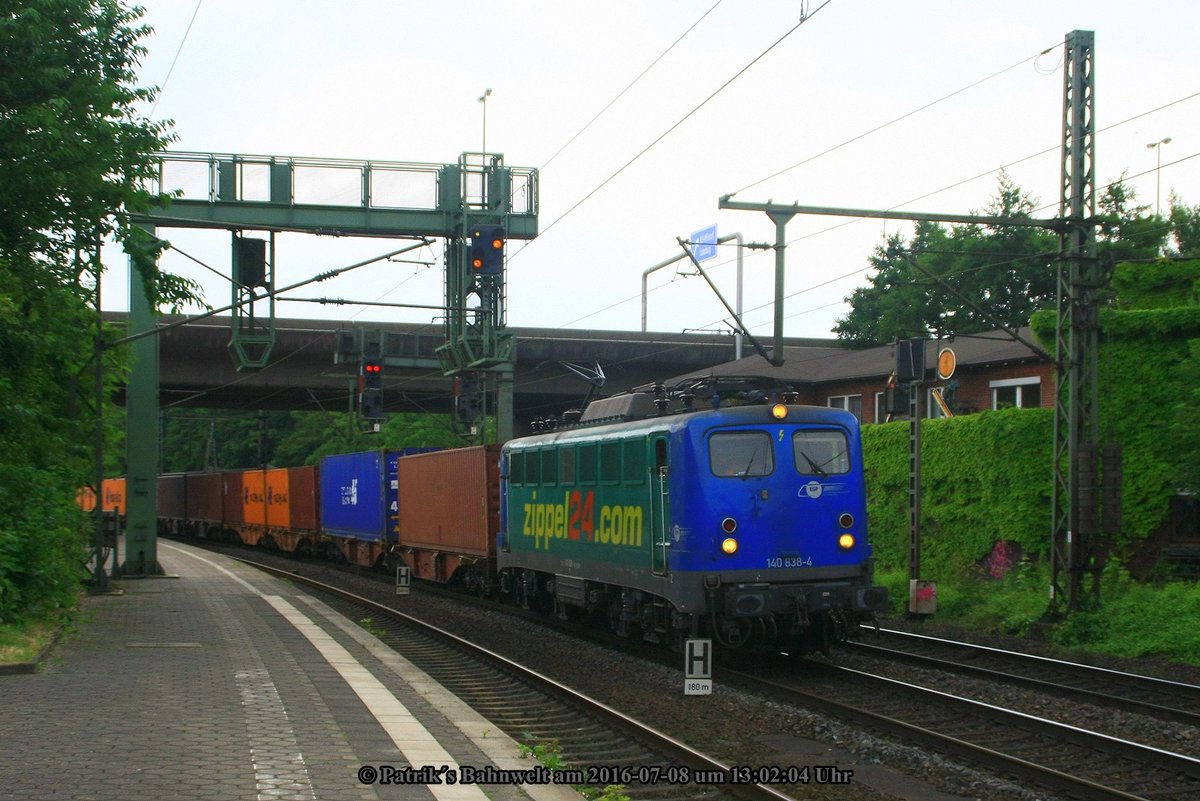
(370, 396)
(487, 250)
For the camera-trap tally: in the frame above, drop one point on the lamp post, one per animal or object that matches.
(483, 99)
(1157, 148)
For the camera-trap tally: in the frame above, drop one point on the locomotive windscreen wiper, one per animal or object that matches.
(747, 472)
(816, 467)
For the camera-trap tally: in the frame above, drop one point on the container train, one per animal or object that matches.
(744, 524)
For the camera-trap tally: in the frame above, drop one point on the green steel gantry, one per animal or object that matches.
(332, 197)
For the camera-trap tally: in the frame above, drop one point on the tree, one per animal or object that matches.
(1185, 228)
(1128, 231)
(74, 156)
(900, 301)
(962, 279)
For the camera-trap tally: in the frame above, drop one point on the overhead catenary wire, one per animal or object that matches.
(171, 69)
(891, 122)
(679, 122)
(630, 85)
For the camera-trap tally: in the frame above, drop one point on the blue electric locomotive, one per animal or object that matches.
(746, 524)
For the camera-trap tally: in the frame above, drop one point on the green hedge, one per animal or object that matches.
(985, 477)
(988, 476)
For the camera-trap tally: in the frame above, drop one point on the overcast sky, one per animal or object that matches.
(846, 96)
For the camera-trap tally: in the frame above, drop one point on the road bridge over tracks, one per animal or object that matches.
(303, 374)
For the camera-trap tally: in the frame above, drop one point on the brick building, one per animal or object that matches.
(993, 372)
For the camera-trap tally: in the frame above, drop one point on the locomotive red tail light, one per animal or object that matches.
(846, 520)
(729, 525)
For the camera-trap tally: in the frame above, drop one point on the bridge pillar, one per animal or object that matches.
(141, 426)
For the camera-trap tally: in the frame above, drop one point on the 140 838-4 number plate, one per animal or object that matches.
(789, 561)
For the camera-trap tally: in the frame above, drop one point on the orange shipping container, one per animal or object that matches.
(265, 498)
(276, 493)
(254, 498)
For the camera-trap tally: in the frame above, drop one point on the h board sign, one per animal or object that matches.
(403, 579)
(697, 667)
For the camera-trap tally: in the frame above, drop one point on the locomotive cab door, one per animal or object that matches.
(660, 506)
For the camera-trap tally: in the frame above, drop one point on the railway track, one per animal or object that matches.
(1072, 762)
(1162, 699)
(606, 746)
(1068, 760)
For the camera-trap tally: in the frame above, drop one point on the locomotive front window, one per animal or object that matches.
(516, 467)
(821, 453)
(741, 453)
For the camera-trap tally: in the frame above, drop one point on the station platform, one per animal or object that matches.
(219, 682)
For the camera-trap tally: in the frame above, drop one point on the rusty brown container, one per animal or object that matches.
(450, 501)
(302, 498)
(231, 498)
(204, 497)
(172, 496)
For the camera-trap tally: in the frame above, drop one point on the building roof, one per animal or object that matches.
(821, 365)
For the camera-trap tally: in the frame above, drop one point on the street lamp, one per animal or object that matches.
(483, 99)
(1157, 147)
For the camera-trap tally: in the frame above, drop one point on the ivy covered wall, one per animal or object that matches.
(985, 477)
(988, 476)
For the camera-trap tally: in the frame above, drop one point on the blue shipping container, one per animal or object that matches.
(353, 496)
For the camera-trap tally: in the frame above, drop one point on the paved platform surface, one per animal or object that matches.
(222, 683)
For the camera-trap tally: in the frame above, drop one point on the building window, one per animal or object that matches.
(1019, 393)
(851, 403)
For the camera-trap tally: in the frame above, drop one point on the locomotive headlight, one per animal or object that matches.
(729, 546)
(779, 411)
(846, 541)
